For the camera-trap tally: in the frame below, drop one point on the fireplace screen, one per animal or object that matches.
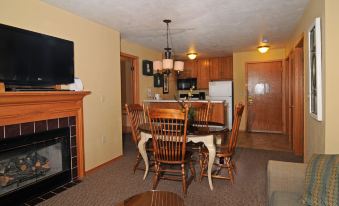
(29, 160)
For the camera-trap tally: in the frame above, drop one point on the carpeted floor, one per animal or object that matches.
(116, 182)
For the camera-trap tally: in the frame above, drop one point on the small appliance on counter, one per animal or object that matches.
(223, 90)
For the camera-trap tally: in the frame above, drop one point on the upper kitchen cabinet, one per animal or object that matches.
(190, 69)
(203, 76)
(221, 68)
(215, 69)
(226, 67)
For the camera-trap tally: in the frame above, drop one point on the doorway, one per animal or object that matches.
(264, 97)
(129, 73)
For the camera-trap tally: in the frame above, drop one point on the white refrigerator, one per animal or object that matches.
(223, 90)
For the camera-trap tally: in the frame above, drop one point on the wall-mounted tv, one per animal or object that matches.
(33, 59)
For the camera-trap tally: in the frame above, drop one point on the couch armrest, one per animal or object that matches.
(285, 176)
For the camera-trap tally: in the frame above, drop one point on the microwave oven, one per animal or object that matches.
(186, 84)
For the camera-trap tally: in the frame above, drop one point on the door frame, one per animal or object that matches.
(135, 76)
(282, 92)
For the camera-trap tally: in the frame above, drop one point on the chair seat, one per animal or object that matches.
(221, 151)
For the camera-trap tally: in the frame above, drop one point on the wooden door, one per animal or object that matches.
(297, 101)
(203, 73)
(264, 97)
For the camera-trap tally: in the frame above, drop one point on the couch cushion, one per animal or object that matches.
(286, 198)
(321, 184)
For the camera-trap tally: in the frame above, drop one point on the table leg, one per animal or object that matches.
(211, 156)
(142, 150)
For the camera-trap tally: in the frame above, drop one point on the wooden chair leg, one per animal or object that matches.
(203, 168)
(156, 175)
(137, 162)
(234, 167)
(230, 170)
(184, 187)
(192, 169)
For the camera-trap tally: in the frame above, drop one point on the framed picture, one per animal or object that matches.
(314, 70)
(158, 80)
(166, 84)
(147, 67)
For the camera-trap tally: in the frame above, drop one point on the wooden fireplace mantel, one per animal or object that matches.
(20, 107)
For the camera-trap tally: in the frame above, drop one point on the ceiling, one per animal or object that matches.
(209, 27)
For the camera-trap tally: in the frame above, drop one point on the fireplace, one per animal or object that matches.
(32, 164)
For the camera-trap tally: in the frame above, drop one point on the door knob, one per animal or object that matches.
(250, 100)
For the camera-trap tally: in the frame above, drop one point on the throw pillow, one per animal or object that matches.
(321, 184)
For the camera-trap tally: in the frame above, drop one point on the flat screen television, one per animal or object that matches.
(32, 59)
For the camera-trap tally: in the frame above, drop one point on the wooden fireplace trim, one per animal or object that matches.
(21, 107)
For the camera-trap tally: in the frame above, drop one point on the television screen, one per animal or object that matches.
(34, 59)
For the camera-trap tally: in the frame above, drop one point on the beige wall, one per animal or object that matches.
(331, 76)
(239, 64)
(314, 138)
(147, 81)
(97, 63)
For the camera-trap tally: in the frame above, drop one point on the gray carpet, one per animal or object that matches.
(116, 182)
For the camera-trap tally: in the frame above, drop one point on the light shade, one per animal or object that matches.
(167, 63)
(157, 65)
(263, 49)
(179, 66)
(192, 56)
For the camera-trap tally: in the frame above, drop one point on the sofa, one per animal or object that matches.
(285, 183)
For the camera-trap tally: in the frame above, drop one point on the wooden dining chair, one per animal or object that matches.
(224, 152)
(168, 127)
(137, 116)
(202, 114)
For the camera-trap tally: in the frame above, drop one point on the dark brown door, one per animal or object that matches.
(264, 97)
(297, 101)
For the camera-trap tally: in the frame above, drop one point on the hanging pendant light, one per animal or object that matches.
(167, 64)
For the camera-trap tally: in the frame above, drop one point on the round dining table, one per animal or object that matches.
(197, 133)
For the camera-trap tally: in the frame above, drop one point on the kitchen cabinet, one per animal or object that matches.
(214, 68)
(221, 68)
(203, 76)
(209, 69)
(190, 69)
(226, 68)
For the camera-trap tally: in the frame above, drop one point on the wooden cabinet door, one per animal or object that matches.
(226, 68)
(203, 73)
(190, 70)
(214, 69)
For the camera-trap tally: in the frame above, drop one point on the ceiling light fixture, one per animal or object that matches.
(192, 56)
(264, 46)
(167, 63)
(263, 49)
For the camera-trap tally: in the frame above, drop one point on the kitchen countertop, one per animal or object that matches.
(173, 100)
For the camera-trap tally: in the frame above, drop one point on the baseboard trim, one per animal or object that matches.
(102, 165)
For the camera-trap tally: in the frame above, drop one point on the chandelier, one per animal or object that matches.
(167, 64)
